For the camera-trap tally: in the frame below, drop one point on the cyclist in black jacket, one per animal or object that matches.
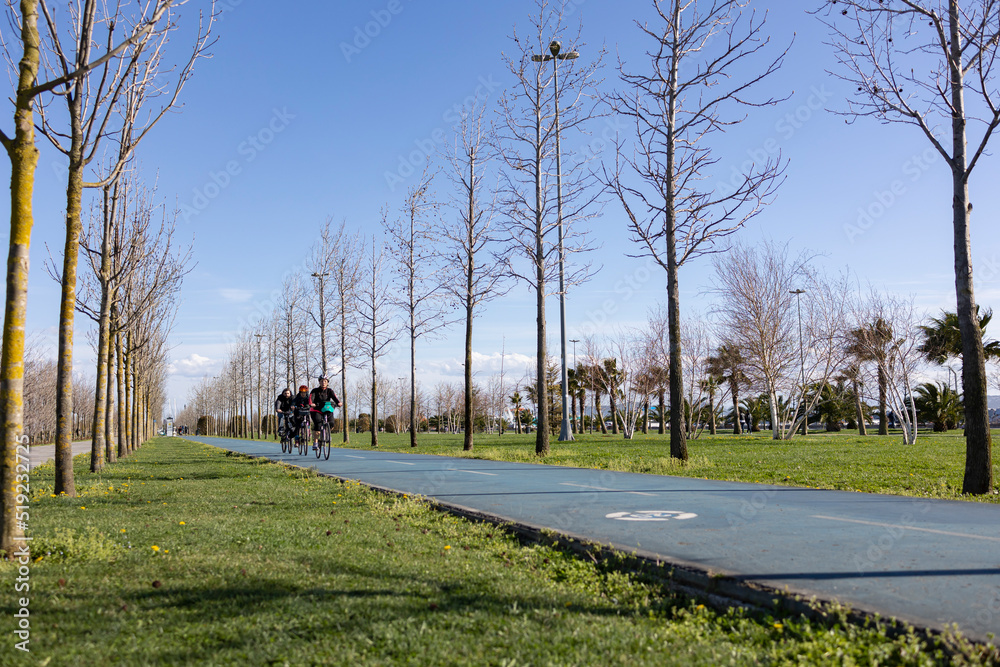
(323, 400)
(301, 407)
(283, 406)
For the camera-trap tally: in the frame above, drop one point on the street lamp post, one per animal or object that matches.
(951, 372)
(802, 362)
(565, 433)
(260, 404)
(217, 416)
(322, 319)
(579, 425)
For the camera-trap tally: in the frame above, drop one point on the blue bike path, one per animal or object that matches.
(931, 563)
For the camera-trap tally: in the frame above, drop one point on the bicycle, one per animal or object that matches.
(323, 442)
(286, 436)
(305, 434)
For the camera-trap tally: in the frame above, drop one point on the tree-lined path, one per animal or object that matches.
(931, 563)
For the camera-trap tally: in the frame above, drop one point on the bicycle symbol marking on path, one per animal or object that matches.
(651, 515)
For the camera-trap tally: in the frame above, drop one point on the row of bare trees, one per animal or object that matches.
(114, 85)
(785, 337)
(924, 63)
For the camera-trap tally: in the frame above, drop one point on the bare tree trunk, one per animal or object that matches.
(469, 422)
(98, 443)
(374, 402)
(862, 430)
(883, 419)
(67, 310)
(109, 408)
(737, 427)
(711, 414)
(122, 396)
(23, 161)
(413, 388)
(541, 347)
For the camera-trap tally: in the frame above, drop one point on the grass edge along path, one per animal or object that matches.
(933, 467)
(184, 554)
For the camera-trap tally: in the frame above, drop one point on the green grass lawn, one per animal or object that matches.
(933, 467)
(183, 554)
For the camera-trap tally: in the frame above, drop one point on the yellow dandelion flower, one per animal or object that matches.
(446, 547)
(123, 530)
(83, 507)
(778, 626)
(155, 548)
(181, 523)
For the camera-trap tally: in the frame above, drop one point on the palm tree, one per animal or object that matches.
(516, 402)
(711, 385)
(872, 342)
(756, 409)
(612, 379)
(659, 380)
(727, 366)
(833, 406)
(575, 378)
(852, 374)
(938, 404)
(943, 340)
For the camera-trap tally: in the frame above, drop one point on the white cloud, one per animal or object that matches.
(194, 366)
(234, 295)
(514, 365)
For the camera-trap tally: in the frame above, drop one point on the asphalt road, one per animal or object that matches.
(932, 563)
(40, 454)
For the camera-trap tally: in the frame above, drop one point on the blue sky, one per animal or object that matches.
(300, 116)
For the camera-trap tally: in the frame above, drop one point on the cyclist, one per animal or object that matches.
(300, 409)
(283, 406)
(323, 400)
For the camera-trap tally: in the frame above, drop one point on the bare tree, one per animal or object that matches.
(696, 343)
(132, 258)
(629, 354)
(704, 69)
(23, 154)
(92, 101)
(528, 140)
(376, 331)
(420, 277)
(894, 352)
(916, 62)
(472, 236)
(39, 393)
(319, 265)
(346, 277)
(758, 314)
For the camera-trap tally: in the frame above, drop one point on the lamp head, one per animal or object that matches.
(554, 47)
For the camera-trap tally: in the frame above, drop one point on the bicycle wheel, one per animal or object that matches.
(319, 445)
(326, 442)
(304, 438)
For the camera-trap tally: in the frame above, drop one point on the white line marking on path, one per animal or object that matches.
(895, 525)
(476, 472)
(348, 456)
(402, 463)
(601, 488)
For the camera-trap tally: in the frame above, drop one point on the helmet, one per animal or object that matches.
(322, 377)
(303, 387)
